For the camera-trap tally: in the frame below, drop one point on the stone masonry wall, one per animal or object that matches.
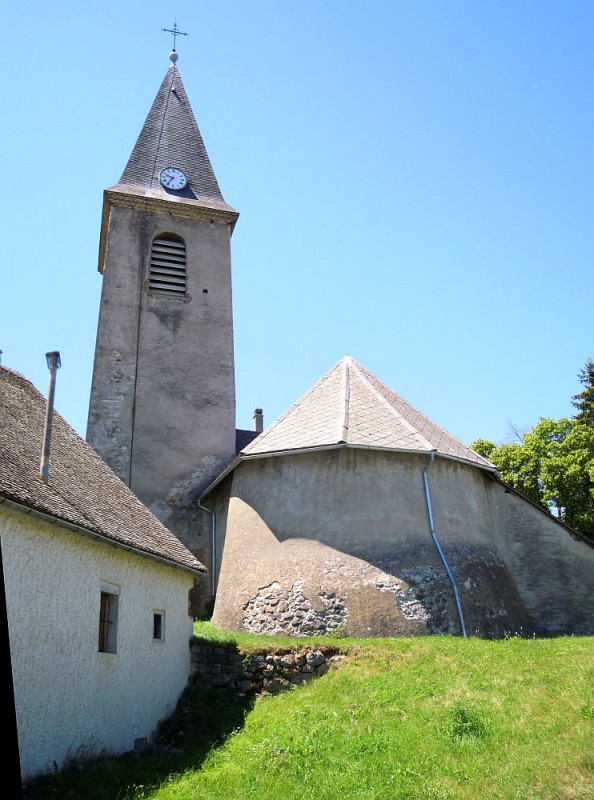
(227, 667)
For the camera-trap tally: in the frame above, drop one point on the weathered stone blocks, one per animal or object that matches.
(250, 675)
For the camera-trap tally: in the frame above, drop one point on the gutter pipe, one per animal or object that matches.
(213, 547)
(441, 553)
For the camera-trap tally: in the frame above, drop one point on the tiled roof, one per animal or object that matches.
(170, 138)
(81, 489)
(351, 406)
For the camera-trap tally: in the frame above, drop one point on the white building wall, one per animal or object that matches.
(72, 700)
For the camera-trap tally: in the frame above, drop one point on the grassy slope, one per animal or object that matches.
(434, 717)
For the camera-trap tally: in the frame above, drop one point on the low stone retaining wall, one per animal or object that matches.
(227, 667)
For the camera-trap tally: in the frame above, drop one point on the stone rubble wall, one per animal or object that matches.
(290, 613)
(248, 675)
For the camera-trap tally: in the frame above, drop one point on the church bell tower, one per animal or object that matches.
(162, 405)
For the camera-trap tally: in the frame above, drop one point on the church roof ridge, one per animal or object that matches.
(170, 137)
(412, 410)
(349, 405)
(372, 381)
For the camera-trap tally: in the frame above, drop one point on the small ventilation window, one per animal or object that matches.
(108, 618)
(168, 265)
(159, 626)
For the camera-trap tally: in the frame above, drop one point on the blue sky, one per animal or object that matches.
(415, 182)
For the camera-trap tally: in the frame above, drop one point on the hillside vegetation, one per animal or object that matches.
(428, 717)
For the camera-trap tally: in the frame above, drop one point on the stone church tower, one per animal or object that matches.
(162, 406)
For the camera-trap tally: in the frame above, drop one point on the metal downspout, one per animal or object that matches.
(213, 547)
(441, 553)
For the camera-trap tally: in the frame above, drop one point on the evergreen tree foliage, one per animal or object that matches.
(584, 400)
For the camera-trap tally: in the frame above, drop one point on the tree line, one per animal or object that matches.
(553, 463)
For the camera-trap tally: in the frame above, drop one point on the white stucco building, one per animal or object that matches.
(96, 594)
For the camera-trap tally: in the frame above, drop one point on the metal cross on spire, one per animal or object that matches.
(176, 32)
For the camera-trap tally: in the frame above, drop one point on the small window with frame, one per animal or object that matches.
(108, 617)
(158, 626)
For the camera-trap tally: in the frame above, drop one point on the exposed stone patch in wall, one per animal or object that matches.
(407, 600)
(488, 597)
(275, 612)
(427, 588)
(227, 667)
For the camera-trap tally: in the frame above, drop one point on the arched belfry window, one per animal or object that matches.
(168, 264)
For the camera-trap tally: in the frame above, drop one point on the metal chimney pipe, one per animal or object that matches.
(53, 364)
(258, 420)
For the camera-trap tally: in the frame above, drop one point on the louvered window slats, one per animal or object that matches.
(168, 266)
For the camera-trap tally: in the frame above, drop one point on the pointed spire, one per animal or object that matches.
(350, 406)
(170, 138)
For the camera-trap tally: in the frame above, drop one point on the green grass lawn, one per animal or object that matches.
(425, 717)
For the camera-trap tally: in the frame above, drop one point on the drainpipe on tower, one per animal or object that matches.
(441, 553)
(53, 364)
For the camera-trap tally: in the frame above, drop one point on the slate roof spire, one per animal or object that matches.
(349, 406)
(170, 137)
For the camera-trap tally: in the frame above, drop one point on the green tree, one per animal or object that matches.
(484, 448)
(553, 465)
(584, 400)
(565, 453)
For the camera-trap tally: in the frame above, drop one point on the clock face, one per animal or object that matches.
(173, 178)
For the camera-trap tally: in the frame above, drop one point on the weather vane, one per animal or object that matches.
(176, 32)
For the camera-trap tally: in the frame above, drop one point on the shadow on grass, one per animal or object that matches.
(202, 721)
